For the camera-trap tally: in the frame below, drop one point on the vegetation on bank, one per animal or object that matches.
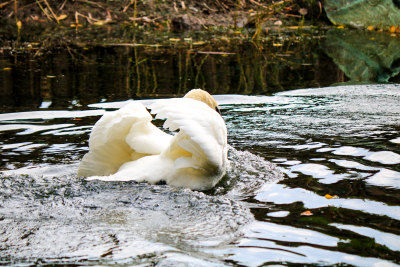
(163, 14)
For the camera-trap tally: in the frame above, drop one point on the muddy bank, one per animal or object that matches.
(169, 14)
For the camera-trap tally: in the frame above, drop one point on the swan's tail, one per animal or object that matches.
(121, 136)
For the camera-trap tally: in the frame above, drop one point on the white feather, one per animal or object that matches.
(125, 145)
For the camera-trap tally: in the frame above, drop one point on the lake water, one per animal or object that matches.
(314, 135)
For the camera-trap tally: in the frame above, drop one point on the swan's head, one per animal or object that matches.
(205, 97)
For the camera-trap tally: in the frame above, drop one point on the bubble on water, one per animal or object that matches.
(54, 217)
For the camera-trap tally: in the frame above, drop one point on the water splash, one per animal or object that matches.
(50, 214)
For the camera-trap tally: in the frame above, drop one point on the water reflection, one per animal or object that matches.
(365, 56)
(73, 77)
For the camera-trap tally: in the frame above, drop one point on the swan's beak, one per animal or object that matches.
(218, 110)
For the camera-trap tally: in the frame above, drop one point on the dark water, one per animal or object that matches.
(289, 150)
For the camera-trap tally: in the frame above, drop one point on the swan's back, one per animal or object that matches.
(199, 149)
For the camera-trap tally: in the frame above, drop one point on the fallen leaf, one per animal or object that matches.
(61, 17)
(370, 28)
(19, 24)
(174, 39)
(7, 68)
(199, 43)
(330, 196)
(306, 213)
(100, 22)
(392, 29)
(277, 44)
(340, 27)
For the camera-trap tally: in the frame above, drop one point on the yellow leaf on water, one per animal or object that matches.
(306, 213)
(370, 28)
(199, 43)
(174, 39)
(392, 29)
(277, 44)
(340, 27)
(7, 68)
(330, 196)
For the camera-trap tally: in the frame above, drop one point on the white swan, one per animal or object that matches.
(124, 145)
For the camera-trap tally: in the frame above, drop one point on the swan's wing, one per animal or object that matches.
(121, 136)
(202, 139)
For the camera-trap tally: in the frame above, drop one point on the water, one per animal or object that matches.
(290, 151)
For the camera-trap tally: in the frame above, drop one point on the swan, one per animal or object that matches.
(124, 145)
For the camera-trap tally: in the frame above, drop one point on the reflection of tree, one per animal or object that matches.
(364, 56)
(20, 87)
(124, 71)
